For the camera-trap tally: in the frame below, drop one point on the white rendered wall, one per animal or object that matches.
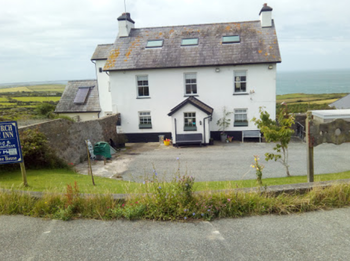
(103, 89)
(216, 89)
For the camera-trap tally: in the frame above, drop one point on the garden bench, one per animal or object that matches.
(251, 134)
(189, 139)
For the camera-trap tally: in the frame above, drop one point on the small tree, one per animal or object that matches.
(277, 131)
(224, 122)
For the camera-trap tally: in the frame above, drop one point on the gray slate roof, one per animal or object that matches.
(196, 103)
(66, 103)
(102, 51)
(257, 45)
(342, 103)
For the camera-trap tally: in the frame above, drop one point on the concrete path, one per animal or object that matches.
(223, 161)
(322, 235)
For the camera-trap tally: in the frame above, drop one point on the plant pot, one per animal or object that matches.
(223, 137)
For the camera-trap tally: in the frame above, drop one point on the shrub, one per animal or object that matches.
(36, 152)
(45, 109)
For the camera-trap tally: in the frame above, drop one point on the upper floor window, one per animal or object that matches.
(190, 83)
(230, 39)
(240, 81)
(154, 43)
(145, 121)
(142, 86)
(189, 41)
(190, 121)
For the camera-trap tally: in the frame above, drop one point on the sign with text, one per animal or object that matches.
(10, 146)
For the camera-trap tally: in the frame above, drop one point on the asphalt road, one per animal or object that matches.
(322, 235)
(232, 161)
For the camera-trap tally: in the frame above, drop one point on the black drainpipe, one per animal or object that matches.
(175, 128)
(209, 117)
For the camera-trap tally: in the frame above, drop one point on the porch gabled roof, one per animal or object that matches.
(196, 103)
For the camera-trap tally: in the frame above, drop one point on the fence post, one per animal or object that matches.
(310, 149)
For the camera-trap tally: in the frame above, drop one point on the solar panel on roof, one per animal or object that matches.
(81, 96)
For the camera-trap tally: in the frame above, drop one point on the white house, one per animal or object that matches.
(173, 80)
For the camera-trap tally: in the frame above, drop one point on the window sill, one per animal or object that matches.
(143, 97)
(240, 125)
(241, 93)
(190, 129)
(141, 127)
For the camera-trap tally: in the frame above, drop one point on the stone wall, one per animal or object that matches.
(67, 138)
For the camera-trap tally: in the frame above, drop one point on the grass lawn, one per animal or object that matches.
(57, 180)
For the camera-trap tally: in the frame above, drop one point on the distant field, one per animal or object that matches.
(297, 98)
(36, 88)
(47, 88)
(15, 89)
(39, 99)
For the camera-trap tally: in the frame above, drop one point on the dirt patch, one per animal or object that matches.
(118, 165)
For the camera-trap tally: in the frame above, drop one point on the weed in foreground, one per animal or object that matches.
(172, 201)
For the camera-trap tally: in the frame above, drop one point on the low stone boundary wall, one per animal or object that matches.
(67, 138)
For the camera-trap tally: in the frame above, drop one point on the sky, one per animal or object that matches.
(43, 40)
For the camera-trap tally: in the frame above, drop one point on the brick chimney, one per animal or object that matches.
(125, 24)
(266, 16)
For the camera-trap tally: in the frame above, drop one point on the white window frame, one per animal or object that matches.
(145, 120)
(238, 81)
(142, 78)
(193, 86)
(190, 123)
(241, 117)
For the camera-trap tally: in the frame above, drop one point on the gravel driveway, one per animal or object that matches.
(223, 161)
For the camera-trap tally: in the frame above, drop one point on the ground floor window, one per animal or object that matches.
(241, 118)
(145, 121)
(190, 121)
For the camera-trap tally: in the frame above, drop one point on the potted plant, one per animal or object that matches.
(223, 123)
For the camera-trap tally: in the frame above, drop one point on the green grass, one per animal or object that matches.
(57, 180)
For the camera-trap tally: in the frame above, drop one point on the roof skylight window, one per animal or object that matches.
(154, 43)
(231, 39)
(189, 41)
(81, 96)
